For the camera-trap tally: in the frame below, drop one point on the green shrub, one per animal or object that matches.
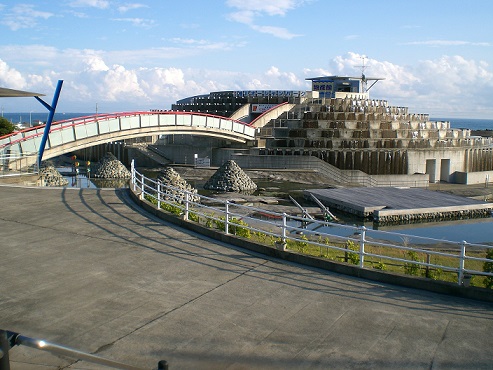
(302, 244)
(380, 266)
(208, 221)
(488, 267)
(351, 257)
(192, 216)
(176, 210)
(220, 223)
(260, 236)
(236, 227)
(409, 267)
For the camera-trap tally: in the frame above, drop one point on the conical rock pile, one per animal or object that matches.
(111, 168)
(230, 177)
(52, 177)
(169, 177)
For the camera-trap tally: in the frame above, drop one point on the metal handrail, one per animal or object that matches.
(9, 339)
(14, 164)
(285, 230)
(37, 131)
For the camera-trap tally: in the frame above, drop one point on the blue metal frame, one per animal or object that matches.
(51, 108)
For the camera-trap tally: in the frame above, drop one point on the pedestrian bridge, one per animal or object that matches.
(79, 133)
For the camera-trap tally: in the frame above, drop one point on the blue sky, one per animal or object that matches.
(436, 56)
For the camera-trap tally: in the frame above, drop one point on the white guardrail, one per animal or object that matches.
(15, 164)
(360, 246)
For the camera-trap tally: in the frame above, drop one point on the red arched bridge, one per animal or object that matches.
(78, 133)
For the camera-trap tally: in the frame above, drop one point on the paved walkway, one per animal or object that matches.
(85, 269)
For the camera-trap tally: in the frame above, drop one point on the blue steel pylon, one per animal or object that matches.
(51, 108)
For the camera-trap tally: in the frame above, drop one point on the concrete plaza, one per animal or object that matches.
(85, 268)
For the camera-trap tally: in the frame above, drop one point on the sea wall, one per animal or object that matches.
(389, 216)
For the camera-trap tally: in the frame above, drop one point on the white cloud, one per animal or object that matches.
(436, 43)
(100, 4)
(279, 32)
(126, 7)
(95, 64)
(249, 11)
(269, 7)
(137, 22)
(23, 16)
(206, 44)
(121, 84)
(448, 86)
(10, 77)
(278, 79)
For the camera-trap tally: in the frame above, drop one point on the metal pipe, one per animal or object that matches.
(4, 350)
(69, 352)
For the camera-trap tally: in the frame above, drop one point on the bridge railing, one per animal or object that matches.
(71, 130)
(15, 164)
(358, 245)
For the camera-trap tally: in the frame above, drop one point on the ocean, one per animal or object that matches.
(28, 118)
(467, 123)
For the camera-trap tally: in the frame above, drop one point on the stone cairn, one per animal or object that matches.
(169, 177)
(51, 176)
(111, 168)
(230, 177)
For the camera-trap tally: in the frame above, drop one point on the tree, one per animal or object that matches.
(6, 127)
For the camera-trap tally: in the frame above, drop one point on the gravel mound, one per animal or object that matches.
(51, 176)
(169, 177)
(111, 168)
(230, 177)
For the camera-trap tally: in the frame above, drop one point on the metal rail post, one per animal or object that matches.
(362, 247)
(462, 261)
(132, 169)
(226, 222)
(158, 195)
(284, 228)
(142, 186)
(187, 206)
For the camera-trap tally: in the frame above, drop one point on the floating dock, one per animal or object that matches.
(393, 204)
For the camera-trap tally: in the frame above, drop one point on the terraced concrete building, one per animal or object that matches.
(339, 124)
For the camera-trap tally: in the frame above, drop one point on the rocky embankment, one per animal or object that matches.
(111, 168)
(51, 177)
(174, 186)
(230, 177)
(433, 216)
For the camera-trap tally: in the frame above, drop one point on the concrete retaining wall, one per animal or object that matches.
(416, 180)
(470, 178)
(417, 162)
